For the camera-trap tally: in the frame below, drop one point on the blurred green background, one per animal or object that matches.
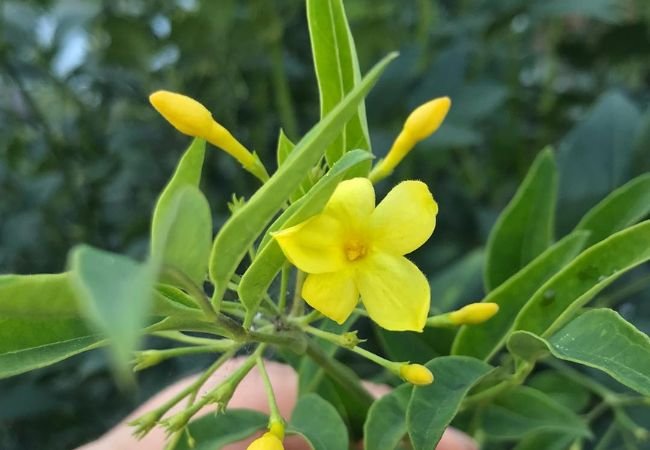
(83, 155)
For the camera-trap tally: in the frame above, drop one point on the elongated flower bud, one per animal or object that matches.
(420, 124)
(268, 441)
(416, 374)
(193, 119)
(474, 314)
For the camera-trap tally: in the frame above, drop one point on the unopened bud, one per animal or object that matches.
(277, 429)
(147, 358)
(416, 374)
(427, 118)
(474, 314)
(268, 441)
(192, 118)
(420, 124)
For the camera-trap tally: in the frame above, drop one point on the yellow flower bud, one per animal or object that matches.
(420, 124)
(277, 429)
(416, 374)
(427, 118)
(192, 118)
(474, 313)
(184, 113)
(268, 441)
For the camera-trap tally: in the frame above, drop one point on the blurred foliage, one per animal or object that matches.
(83, 155)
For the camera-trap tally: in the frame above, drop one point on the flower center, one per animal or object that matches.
(355, 249)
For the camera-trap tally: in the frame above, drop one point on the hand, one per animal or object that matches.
(249, 395)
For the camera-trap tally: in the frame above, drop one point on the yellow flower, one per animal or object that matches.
(268, 441)
(419, 125)
(353, 248)
(416, 374)
(474, 313)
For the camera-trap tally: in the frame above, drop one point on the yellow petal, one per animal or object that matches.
(352, 202)
(333, 294)
(394, 291)
(405, 218)
(314, 246)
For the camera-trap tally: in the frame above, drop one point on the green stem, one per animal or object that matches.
(607, 437)
(195, 292)
(180, 337)
(284, 284)
(297, 306)
(275, 416)
(341, 374)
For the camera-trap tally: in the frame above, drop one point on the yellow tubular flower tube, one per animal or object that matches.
(193, 119)
(268, 441)
(473, 314)
(355, 249)
(416, 374)
(419, 125)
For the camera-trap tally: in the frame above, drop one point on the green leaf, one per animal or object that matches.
(484, 340)
(545, 441)
(21, 361)
(557, 300)
(386, 423)
(523, 410)
(562, 389)
(432, 407)
(525, 227)
(285, 147)
(620, 209)
(187, 235)
(599, 338)
(596, 156)
(240, 231)
(214, 431)
(115, 293)
(337, 72)
(268, 262)
(28, 343)
(319, 423)
(37, 296)
(181, 229)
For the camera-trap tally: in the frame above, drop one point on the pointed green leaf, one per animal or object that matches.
(620, 209)
(21, 361)
(596, 156)
(268, 262)
(214, 431)
(285, 147)
(525, 227)
(337, 72)
(484, 340)
(599, 338)
(170, 217)
(185, 237)
(319, 423)
(386, 423)
(115, 293)
(432, 407)
(522, 410)
(556, 301)
(28, 343)
(241, 230)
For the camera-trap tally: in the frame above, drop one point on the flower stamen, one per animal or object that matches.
(355, 249)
